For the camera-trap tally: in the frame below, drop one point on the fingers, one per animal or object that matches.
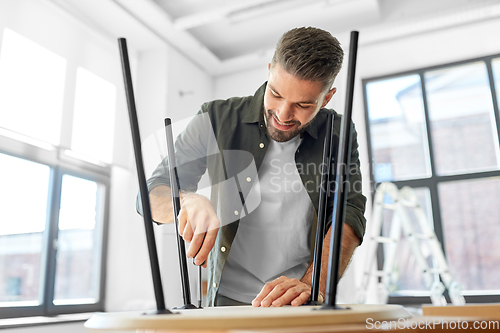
(198, 225)
(188, 232)
(283, 291)
(202, 237)
(201, 226)
(208, 243)
(298, 298)
(194, 247)
(266, 290)
(275, 295)
(183, 217)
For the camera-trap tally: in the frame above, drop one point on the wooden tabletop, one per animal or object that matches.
(229, 319)
(358, 318)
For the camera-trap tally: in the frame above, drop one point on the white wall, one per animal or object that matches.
(243, 83)
(188, 87)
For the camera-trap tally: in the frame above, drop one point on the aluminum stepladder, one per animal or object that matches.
(400, 202)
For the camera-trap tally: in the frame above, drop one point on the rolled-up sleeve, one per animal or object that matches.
(192, 147)
(356, 201)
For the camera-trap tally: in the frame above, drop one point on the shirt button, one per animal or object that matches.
(261, 145)
(298, 150)
(236, 212)
(215, 285)
(223, 249)
(249, 179)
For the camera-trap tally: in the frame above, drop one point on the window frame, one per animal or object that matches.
(61, 165)
(434, 180)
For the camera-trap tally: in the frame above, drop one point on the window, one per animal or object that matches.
(94, 97)
(77, 270)
(47, 267)
(28, 69)
(399, 140)
(22, 229)
(57, 119)
(437, 130)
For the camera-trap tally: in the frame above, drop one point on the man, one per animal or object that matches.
(260, 250)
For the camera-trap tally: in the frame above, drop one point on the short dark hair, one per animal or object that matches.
(310, 54)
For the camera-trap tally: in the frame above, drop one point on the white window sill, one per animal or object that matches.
(41, 320)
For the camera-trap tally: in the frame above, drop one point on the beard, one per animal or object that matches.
(279, 135)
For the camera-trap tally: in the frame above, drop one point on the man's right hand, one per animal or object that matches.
(198, 224)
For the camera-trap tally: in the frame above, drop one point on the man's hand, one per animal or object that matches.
(283, 291)
(349, 243)
(198, 224)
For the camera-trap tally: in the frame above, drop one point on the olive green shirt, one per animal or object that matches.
(229, 139)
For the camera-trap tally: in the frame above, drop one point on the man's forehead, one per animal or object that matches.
(292, 88)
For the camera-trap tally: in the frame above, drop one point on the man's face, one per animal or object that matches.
(290, 104)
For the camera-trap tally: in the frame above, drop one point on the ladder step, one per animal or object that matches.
(424, 236)
(376, 273)
(389, 206)
(381, 239)
(438, 271)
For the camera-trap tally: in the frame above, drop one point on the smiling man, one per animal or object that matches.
(262, 256)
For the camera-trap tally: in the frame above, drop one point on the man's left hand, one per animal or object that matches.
(283, 291)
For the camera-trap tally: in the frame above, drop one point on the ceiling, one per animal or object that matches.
(223, 36)
(236, 28)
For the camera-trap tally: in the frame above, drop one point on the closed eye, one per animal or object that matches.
(274, 94)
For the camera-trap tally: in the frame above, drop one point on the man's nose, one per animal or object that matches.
(285, 113)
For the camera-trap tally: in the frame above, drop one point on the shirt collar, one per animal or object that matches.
(255, 110)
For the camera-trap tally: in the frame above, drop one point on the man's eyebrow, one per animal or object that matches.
(278, 94)
(307, 102)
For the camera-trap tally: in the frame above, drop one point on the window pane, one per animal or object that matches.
(496, 75)
(94, 113)
(397, 126)
(462, 121)
(409, 273)
(78, 256)
(31, 88)
(24, 188)
(470, 215)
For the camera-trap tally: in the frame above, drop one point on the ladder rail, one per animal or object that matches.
(375, 228)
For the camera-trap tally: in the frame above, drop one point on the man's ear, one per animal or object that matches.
(329, 96)
(268, 70)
